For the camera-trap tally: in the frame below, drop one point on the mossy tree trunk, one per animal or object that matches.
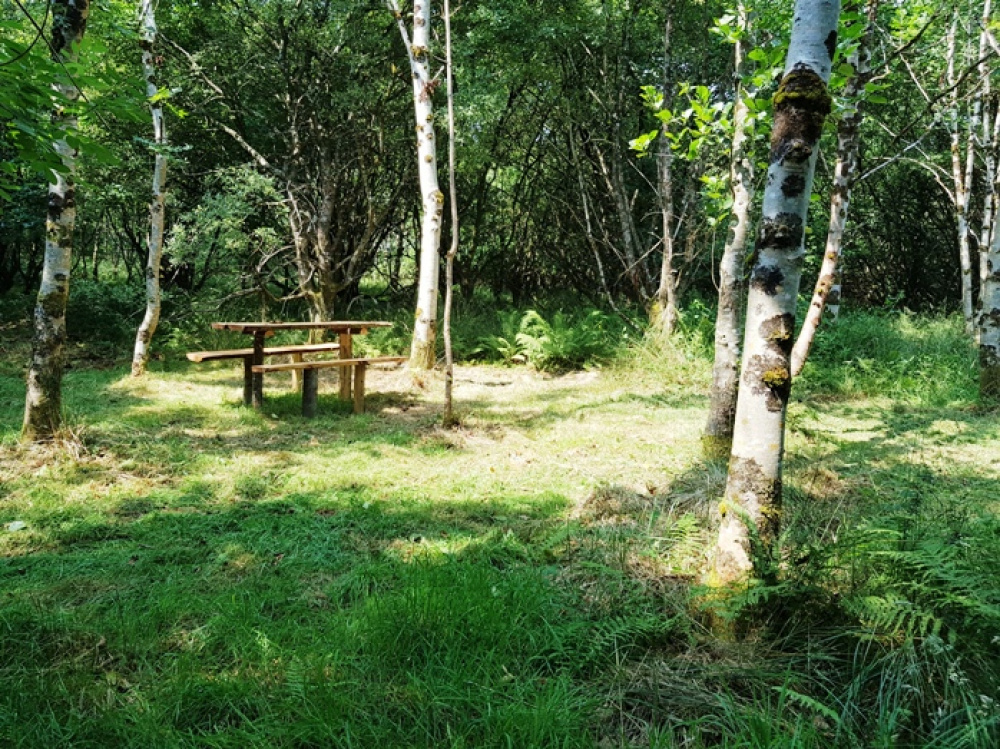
(751, 509)
(718, 436)
(826, 295)
(423, 350)
(140, 355)
(43, 404)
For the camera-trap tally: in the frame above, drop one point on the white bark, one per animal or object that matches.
(962, 178)
(751, 510)
(422, 353)
(827, 292)
(140, 355)
(726, 365)
(989, 316)
(43, 402)
(989, 138)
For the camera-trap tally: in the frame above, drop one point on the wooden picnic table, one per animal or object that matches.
(253, 386)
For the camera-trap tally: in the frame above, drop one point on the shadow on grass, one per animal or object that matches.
(331, 619)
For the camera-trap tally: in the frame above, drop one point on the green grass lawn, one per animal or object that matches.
(191, 573)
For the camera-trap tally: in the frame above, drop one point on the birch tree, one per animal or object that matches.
(43, 403)
(989, 315)
(826, 295)
(449, 359)
(154, 241)
(962, 174)
(989, 141)
(422, 352)
(751, 509)
(725, 369)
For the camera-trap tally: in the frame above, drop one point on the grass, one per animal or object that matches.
(193, 574)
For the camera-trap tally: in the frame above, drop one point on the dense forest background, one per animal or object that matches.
(280, 107)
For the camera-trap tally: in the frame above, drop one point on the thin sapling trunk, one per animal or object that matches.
(449, 359)
(717, 441)
(140, 356)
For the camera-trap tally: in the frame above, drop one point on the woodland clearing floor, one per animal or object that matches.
(183, 571)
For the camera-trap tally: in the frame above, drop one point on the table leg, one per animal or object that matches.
(247, 380)
(359, 388)
(296, 359)
(258, 379)
(310, 392)
(346, 352)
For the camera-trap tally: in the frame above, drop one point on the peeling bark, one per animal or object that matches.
(140, 355)
(751, 510)
(43, 404)
(826, 295)
(718, 436)
(423, 351)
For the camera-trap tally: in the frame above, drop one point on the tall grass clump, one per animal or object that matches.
(914, 359)
(682, 361)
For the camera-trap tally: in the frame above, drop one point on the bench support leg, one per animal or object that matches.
(258, 379)
(247, 380)
(296, 358)
(310, 392)
(359, 388)
(346, 352)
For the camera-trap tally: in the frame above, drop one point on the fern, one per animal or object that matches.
(809, 703)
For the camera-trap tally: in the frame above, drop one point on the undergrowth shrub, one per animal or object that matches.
(885, 638)
(560, 341)
(104, 311)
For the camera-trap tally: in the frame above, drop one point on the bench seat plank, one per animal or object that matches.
(242, 353)
(265, 368)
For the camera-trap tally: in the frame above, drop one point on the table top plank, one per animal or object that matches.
(344, 326)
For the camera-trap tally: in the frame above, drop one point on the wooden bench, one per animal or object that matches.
(246, 354)
(243, 353)
(310, 377)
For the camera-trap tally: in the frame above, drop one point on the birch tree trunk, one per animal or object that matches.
(751, 510)
(422, 352)
(962, 178)
(989, 316)
(666, 294)
(826, 295)
(449, 359)
(717, 441)
(989, 138)
(140, 356)
(43, 404)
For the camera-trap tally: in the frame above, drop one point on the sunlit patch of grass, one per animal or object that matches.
(194, 573)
